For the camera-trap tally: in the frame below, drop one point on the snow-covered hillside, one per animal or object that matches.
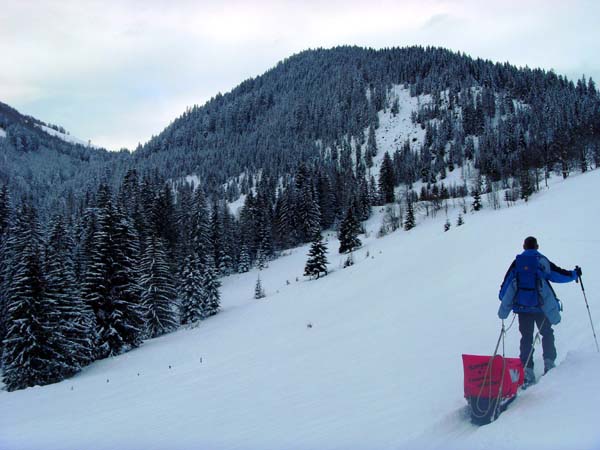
(64, 136)
(367, 357)
(395, 129)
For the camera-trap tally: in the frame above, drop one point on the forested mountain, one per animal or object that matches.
(53, 173)
(317, 105)
(326, 98)
(300, 145)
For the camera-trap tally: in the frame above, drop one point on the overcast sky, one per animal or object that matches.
(117, 72)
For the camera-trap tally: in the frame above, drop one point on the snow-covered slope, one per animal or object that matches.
(380, 367)
(65, 137)
(395, 129)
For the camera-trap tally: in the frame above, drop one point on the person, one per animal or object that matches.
(526, 291)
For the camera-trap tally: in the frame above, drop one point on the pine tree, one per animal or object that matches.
(158, 294)
(317, 259)
(349, 231)
(244, 264)
(259, 292)
(261, 259)
(409, 222)
(163, 219)
(74, 318)
(32, 352)
(583, 160)
(88, 227)
(477, 205)
(371, 146)
(216, 237)
(191, 306)
(395, 107)
(5, 222)
(368, 159)
(4, 211)
(477, 198)
(526, 185)
(201, 236)
(386, 179)
(111, 280)
(309, 215)
(229, 240)
(210, 289)
(130, 201)
(326, 200)
(372, 192)
(284, 227)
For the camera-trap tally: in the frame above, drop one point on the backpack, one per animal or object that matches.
(526, 274)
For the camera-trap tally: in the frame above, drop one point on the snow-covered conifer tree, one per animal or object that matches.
(371, 147)
(210, 290)
(477, 195)
(32, 352)
(283, 227)
(158, 294)
(386, 179)
(200, 225)
(309, 215)
(244, 264)
(191, 307)
(409, 222)
(526, 184)
(5, 220)
(74, 318)
(111, 280)
(317, 258)
(259, 292)
(447, 225)
(349, 231)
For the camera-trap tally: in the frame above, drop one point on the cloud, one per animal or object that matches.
(436, 20)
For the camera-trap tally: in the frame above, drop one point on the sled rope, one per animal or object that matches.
(511, 323)
(536, 339)
(488, 370)
(494, 404)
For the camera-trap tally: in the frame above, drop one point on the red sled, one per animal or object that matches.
(491, 383)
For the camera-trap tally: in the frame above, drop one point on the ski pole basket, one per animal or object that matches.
(491, 382)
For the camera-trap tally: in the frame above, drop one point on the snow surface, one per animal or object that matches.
(2, 133)
(193, 179)
(236, 206)
(394, 130)
(380, 367)
(65, 137)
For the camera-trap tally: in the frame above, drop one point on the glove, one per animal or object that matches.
(578, 271)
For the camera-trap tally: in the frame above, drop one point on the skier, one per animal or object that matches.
(526, 291)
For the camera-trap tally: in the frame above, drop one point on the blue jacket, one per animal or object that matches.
(547, 272)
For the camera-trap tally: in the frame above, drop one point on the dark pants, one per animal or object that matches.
(526, 327)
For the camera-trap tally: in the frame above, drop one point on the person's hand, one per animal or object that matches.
(578, 271)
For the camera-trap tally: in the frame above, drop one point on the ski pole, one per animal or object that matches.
(589, 313)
